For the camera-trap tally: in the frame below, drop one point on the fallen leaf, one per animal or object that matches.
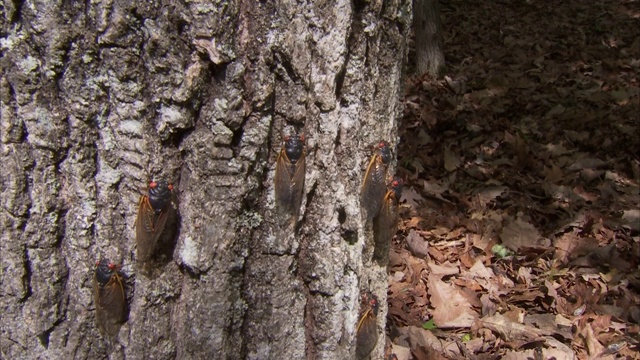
(478, 270)
(512, 331)
(427, 346)
(632, 217)
(411, 197)
(418, 246)
(590, 163)
(518, 233)
(489, 194)
(593, 345)
(451, 307)
(443, 270)
(556, 110)
(451, 159)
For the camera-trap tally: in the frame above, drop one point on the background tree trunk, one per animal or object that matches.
(99, 97)
(428, 37)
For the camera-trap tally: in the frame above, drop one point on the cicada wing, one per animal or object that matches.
(282, 183)
(289, 186)
(373, 187)
(149, 227)
(160, 223)
(366, 335)
(297, 187)
(385, 226)
(145, 229)
(110, 305)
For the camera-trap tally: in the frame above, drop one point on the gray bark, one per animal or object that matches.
(99, 97)
(428, 37)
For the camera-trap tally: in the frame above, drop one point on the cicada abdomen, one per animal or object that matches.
(385, 224)
(109, 297)
(289, 178)
(155, 211)
(373, 184)
(367, 329)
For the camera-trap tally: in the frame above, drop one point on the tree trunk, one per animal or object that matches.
(428, 37)
(99, 97)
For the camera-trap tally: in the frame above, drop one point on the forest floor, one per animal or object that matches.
(520, 217)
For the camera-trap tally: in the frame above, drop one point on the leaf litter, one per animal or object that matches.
(520, 220)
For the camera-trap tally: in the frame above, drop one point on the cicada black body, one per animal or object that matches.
(385, 224)
(155, 211)
(109, 297)
(367, 329)
(373, 184)
(289, 178)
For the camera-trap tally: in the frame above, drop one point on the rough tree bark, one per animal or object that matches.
(98, 97)
(428, 37)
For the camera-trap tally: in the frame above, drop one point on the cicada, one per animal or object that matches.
(109, 298)
(154, 212)
(373, 184)
(367, 329)
(289, 178)
(385, 224)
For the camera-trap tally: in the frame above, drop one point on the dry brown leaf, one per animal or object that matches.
(401, 352)
(553, 173)
(512, 331)
(418, 246)
(451, 306)
(430, 347)
(518, 233)
(478, 270)
(411, 197)
(632, 217)
(591, 342)
(556, 110)
(588, 163)
(451, 160)
(524, 275)
(489, 194)
(444, 269)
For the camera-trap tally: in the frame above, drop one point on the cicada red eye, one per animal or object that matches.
(109, 298)
(170, 187)
(153, 185)
(289, 178)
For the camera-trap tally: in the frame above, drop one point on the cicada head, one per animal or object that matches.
(384, 150)
(373, 304)
(396, 186)
(159, 194)
(294, 147)
(104, 271)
